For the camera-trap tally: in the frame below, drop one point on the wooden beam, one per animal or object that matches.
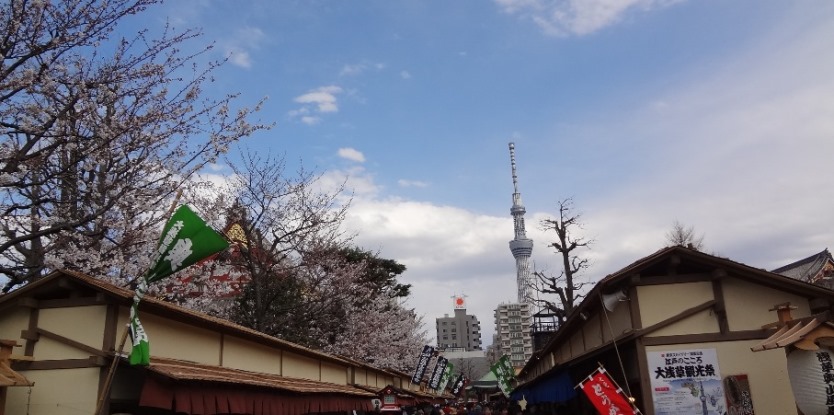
(73, 302)
(672, 268)
(645, 381)
(92, 361)
(674, 279)
(705, 337)
(70, 342)
(29, 346)
(720, 305)
(634, 308)
(677, 317)
(108, 339)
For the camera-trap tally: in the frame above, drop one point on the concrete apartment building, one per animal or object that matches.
(461, 332)
(512, 332)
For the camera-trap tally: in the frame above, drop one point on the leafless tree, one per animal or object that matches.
(567, 285)
(97, 134)
(681, 235)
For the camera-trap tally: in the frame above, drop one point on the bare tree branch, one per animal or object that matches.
(567, 285)
(681, 235)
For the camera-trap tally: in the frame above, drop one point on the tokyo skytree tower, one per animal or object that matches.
(520, 246)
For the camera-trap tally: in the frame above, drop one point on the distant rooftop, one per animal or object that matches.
(807, 268)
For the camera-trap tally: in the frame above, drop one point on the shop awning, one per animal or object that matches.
(195, 389)
(557, 387)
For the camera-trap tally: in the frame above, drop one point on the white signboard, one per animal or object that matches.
(686, 382)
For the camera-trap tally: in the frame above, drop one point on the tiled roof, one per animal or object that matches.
(805, 268)
(180, 370)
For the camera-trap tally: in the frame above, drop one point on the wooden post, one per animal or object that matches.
(105, 389)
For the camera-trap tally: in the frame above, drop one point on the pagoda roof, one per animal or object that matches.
(806, 268)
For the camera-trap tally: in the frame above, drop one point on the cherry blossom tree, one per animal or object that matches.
(382, 332)
(292, 273)
(98, 133)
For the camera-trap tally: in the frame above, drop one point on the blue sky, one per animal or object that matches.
(714, 113)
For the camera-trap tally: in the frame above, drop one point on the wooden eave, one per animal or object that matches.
(180, 370)
(8, 376)
(805, 334)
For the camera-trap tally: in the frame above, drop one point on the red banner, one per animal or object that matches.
(606, 396)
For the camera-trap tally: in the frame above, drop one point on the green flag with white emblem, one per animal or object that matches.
(447, 376)
(504, 373)
(185, 240)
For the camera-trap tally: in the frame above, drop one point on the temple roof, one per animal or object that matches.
(807, 268)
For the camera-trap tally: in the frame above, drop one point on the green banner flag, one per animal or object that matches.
(504, 373)
(185, 240)
(447, 376)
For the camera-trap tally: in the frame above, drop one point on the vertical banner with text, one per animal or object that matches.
(457, 388)
(447, 376)
(422, 364)
(437, 373)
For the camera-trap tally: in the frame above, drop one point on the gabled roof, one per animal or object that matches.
(806, 268)
(686, 260)
(59, 283)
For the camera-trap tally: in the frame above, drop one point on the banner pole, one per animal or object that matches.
(105, 389)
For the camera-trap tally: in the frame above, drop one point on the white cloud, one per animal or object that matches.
(352, 70)
(310, 120)
(357, 69)
(239, 57)
(411, 183)
(216, 167)
(237, 46)
(446, 250)
(322, 98)
(351, 154)
(405, 75)
(577, 17)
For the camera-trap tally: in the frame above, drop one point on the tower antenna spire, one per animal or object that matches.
(521, 246)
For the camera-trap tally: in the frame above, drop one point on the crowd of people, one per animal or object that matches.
(471, 408)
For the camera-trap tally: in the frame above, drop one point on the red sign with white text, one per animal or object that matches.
(606, 397)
